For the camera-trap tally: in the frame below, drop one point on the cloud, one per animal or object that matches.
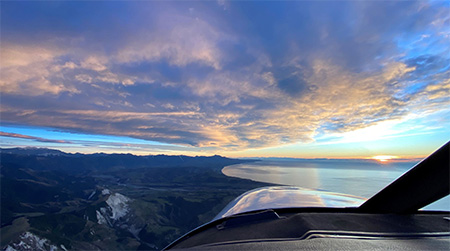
(178, 38)
(253, 76)
(27, 70)
(170, 127)
(15, 55)
(39, 139)
(94, 63)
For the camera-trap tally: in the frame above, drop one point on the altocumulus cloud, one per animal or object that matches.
(246, 76)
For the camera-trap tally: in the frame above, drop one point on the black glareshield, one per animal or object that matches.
(425, 183)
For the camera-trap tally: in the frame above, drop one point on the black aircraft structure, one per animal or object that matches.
(393, 219)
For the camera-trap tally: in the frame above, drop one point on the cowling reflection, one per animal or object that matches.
(286, 197)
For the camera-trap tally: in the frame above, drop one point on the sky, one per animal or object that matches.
(306, 79)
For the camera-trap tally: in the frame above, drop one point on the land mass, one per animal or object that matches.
(56, 200)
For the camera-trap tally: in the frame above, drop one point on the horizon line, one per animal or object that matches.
(371, 158)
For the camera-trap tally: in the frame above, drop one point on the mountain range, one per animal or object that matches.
(52, 200)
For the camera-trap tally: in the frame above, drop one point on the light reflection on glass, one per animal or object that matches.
(286, 197)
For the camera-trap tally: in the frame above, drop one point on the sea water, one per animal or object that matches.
(362, 178)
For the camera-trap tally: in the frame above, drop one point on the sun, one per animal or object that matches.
(384, 158)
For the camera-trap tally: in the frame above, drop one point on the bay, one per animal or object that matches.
(359, 177)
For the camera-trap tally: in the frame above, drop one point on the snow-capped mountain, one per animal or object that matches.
(118, 214)
(29, 241)
(116, 210)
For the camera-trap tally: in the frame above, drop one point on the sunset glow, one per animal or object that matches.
(384, 158)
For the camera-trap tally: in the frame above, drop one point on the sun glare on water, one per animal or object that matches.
(384, 158)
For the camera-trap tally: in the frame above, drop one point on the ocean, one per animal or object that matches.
(358, 177)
